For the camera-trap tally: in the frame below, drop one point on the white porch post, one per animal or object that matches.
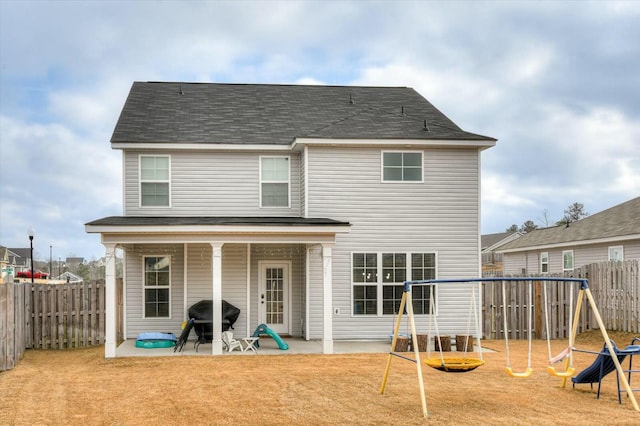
(110, 301)
(216, 344)
(327, 299)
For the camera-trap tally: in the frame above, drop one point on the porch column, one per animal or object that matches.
(327, 299)
(110, 301)
(216, 343)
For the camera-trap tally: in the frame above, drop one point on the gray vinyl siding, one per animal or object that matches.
(207, 183)
(529, 262)
(439, 215)
(136, 323)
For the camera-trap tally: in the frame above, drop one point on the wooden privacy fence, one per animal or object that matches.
(615, 287)
(52, 316)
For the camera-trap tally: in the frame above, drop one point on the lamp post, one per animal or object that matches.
(31, 232)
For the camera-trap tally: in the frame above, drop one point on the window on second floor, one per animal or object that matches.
(154, 181)
(402, 166)
(274, 181)
(616, 254)
(544, 262)
(567, 260)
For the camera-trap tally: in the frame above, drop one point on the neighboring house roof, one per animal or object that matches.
(618, 223)
(77, 260)
(196, 113)
(71, 277)
(490, 242)
(19, 256)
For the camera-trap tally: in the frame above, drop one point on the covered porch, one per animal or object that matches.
(276, 270)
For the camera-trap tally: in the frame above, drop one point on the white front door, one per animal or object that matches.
(273, 295)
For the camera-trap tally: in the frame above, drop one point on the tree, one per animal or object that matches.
(528, 226)
(573, 213)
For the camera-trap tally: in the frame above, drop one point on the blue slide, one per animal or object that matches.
(263, 329)
(603, 365)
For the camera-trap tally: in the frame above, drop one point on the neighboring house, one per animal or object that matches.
(74, 262)
(5, 269)
(491, 260)
(613, 234)
(20, 259)
(306, 207)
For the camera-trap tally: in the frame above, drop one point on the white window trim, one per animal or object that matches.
(141, 181)
(615, 247)
(144, 315)
(543, 255)
(288, 182)
(573, 261)
(404, 182)
(380, 283)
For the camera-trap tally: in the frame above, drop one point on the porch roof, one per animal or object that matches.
(224, 228)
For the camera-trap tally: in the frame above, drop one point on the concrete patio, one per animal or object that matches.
(267, 347)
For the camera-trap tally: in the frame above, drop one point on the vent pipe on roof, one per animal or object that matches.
(180, 92)
(402, 109)
(351, 99)
(426, 128)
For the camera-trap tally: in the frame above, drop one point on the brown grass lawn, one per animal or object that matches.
(80, 387)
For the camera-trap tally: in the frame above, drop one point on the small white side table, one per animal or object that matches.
(250, 344)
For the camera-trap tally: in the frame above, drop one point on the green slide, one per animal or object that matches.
(263, 329)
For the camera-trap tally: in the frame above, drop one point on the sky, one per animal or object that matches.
(557, 83)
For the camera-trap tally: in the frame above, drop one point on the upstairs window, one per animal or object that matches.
(544, 262)
(154, 181)
(402, 166)
(274, 181)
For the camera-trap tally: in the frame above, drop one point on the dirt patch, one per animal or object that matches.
(81, 387)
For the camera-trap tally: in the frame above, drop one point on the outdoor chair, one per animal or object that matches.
(230, 342)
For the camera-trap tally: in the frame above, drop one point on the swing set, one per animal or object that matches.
(466, 364)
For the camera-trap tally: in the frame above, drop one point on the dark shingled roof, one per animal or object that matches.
(211, 220)
(161, 112)
(618, 221)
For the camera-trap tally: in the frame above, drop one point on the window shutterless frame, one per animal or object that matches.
(567, 260)
(402, 167)
(156, 282)
(544, 262)
(275, 173)
(616, 253)
(154, 176)
(375, 276)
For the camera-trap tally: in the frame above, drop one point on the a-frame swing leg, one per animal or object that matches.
(612, 352)
(396, 329)
(573, 333)
(403, 303)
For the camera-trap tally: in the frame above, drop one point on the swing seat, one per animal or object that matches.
(526, 373)
(454, 365)
(568, 373)
(562, 355)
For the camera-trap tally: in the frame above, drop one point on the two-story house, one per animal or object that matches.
(306, 207)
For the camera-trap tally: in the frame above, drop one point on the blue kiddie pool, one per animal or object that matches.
(154, 340)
